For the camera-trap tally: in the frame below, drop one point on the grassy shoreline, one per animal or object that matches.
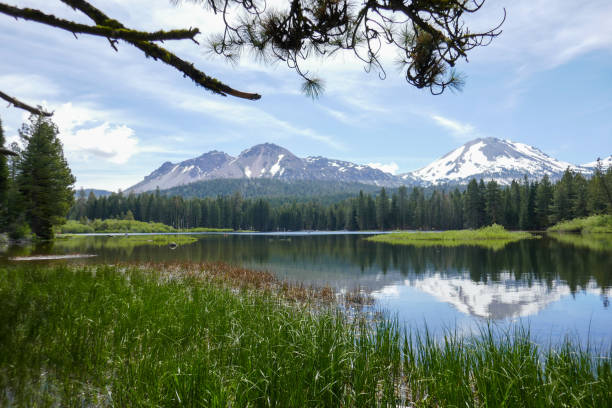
(111, 226)
(595, 224)
(494, 236)
(217, 336)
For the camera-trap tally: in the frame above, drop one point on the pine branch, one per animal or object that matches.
(5, 152)
(109, 31)
(188, 69)
(17, 103)
(156, 52)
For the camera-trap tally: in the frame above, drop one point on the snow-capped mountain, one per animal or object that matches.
(486, 158)
(492, 159)
(605, 163)
(261, 161)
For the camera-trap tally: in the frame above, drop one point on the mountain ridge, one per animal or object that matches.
(265, 160)
(486, 158)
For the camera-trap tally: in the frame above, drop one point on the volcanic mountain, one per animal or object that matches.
(491, 159)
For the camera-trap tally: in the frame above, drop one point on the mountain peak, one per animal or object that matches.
(492, 158)
(264, 147)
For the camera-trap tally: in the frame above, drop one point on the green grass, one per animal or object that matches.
(494, 236)
(600, 224)
(131, 336)
(120, 226)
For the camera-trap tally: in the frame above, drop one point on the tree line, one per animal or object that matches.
(525, 204)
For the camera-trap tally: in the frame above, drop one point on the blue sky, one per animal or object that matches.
(546, 81)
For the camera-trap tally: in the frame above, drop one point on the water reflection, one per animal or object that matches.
(493, 300)
(551, 280)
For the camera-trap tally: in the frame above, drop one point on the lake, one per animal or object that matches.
(556, 288)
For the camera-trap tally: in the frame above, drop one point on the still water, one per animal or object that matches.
(556, 288)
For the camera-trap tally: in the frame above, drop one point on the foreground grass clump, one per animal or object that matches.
(494, 236)
(108, 336)
(121, 226)
(130, 336)
(589, 225)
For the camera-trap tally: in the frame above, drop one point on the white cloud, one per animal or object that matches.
(459, 130)
(115, 143)
(87, 135)
(544, 34)
(388, 168)
(340, 116)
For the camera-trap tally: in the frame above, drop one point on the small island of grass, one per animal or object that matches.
(595, 224)
(494, 236)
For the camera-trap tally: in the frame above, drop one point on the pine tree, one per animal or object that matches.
(474, 205)
(563, 197)
(44, 179)
(382, 209)
(526, 208)
(579, 202)
(4, 184)
(403, 207)
(544, 195)
(493, 203)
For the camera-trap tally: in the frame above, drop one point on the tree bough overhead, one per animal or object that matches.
(431, 36)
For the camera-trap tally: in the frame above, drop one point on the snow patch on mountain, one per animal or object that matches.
(276, 167)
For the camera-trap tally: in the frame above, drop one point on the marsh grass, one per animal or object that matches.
(135, 336)
(235, 277)
(594, 224)
(493, 237)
